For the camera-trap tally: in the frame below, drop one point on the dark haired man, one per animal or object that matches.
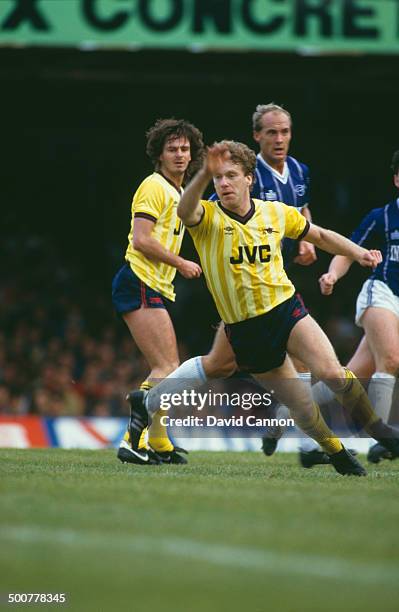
(144, 284)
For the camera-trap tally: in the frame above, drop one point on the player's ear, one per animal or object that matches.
(256, 136)
(396, 179)
(250, 179)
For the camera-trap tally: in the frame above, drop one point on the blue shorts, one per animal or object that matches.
(260, 343)
(130, 293)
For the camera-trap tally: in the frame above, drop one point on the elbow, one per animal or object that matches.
(138, 243)
(322, 237)
(181, 213)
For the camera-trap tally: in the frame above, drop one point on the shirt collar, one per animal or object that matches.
(283, 178)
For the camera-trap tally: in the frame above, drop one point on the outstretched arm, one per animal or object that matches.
(334, 243)
(190, 210)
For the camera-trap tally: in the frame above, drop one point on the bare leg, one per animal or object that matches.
(292, 392)
(153, 332)
(382, 332)
(362, 361)
(220, 361)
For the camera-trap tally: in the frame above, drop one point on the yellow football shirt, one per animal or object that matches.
(241, 256)
(157, 199)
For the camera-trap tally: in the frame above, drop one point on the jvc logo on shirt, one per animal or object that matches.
(178, 228)
(251, 254)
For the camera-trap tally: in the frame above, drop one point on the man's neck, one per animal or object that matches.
(241, 209)
(276, 165)
(175, 179)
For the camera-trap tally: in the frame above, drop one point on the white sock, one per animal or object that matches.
(188, 374)
(322, 394)
(380, 393)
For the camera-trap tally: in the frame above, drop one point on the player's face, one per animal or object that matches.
(274, 138)
(396, 179)
(175, 156)
(232, 185)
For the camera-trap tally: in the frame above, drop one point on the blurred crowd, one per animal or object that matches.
(62, 349)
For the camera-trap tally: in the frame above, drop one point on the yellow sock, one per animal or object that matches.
(317, 428)
(158, 434)
(354, 399)
(143, 439)
(158, 437)
(146, 385)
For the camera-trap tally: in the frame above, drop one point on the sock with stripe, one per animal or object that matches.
(316, 427)
(146, 385)
(354, 399)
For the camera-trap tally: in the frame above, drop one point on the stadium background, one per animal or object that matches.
(73, 152)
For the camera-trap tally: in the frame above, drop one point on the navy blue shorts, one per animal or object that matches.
(130, 293)
(260, 343)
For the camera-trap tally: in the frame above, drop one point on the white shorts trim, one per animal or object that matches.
(375, 293)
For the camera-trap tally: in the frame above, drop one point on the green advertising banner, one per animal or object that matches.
(319, 26)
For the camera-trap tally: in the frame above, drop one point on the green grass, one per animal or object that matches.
(228, 532)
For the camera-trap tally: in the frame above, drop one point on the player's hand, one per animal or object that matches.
(189, 269)
(327, 282)
(214, 158)
(370, 259)
(306, 254)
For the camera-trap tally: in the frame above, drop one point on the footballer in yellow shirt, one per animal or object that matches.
(143, 285)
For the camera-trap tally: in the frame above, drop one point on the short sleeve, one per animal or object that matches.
(149, 200)
(295, 222)
(201, 228)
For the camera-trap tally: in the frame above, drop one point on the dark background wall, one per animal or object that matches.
(73, 148)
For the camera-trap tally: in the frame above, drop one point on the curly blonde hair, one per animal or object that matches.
(240, 154)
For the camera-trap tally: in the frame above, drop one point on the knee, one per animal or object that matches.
(390, 364)
(330, 371)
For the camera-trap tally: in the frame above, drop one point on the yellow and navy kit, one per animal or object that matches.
(157, 199)
(241, 256)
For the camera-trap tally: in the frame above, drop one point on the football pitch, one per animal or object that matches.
(227, 532)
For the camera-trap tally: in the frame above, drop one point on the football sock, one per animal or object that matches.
(316, 427)
(308, 444)
(145, 386)
(322, 394)
(354, 399)
(380, 391)
(188, 375)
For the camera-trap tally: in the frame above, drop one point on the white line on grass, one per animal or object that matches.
(274, 562)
